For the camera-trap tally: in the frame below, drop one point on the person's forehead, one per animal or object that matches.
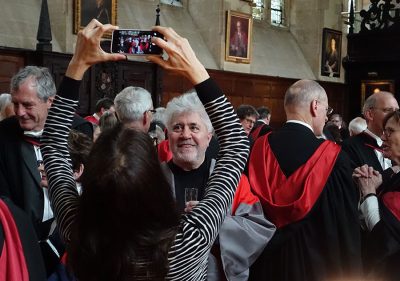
(386, 100)
(187, 117)
(391, 122)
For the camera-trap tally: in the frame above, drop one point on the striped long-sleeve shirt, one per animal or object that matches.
(198, 229)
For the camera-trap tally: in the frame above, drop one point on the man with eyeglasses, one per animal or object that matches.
(365, 148)
(305, 187)
(134, 108)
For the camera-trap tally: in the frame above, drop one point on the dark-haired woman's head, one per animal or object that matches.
(126, 213)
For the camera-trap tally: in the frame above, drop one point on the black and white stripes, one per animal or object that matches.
(188, 255)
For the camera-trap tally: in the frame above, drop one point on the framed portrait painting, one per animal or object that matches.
(238, 37)
(105, 11)
(331, 52)
(369, 87)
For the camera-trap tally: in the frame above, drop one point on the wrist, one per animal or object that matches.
(76, 70)
(365, 196)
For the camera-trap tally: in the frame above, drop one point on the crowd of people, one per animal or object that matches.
(311, 200)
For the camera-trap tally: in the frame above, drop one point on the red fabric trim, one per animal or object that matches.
(287, 200)
(374, 147)
(12, 260)
(256, 132)
(243, 194)
(92, 119)
(33, 141)
(164, 154)
(392, 202)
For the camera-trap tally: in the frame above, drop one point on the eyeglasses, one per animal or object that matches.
(386, 110)
(249, 121)
(389, 131)
(328, 109)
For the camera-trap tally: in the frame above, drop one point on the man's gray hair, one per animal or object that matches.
(302, 92)
(370, 102)
(45, 87)
(187, 103)
(131, 103)
(357, 125)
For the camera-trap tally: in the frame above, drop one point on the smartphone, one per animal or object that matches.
(135, 42)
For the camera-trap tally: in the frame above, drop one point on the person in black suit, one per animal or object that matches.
(306, 190)
(261, 127)
(365, 148)
(32, 91)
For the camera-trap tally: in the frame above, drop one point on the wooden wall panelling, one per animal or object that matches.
(256, 90)
(9, 65)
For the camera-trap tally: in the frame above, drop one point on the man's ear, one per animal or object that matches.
(368, 115)
(146, 118)
(314, 108)
(209, 136)
(50, 101)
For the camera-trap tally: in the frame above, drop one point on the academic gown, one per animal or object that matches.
(382, 249)
(318, 237)
(361, 150)
(21, 259)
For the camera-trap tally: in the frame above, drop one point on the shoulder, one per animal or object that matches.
(10, 127)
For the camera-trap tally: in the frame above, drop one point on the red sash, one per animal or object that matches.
(164, 154)
(287, 200)
(392, 202)
(12, 259)
(243, 194)
(256, 132)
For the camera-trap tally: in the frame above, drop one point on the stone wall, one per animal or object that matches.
(292, 52)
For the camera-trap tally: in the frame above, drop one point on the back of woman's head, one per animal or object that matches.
(127, 218)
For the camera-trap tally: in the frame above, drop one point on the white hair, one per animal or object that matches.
(188, 102)
(5, 100)
(131, 103)
(357, 125)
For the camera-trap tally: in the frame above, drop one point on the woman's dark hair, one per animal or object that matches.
(79, 146)
(126, 219)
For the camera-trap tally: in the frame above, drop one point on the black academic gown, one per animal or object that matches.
(325, 242)
(20, 182)
(27, 236)
(361, 150)
(382, 250)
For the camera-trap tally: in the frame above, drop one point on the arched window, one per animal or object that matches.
(277, 12)
(258, 9)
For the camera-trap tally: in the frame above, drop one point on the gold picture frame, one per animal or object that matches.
(104, 11)
(238, 37)
(331, 56)
(369, 87)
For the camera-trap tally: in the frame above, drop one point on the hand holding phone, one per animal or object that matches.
(135, 42)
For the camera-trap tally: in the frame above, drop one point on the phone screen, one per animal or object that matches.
(135, 42)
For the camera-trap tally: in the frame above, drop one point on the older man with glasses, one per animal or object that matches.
(134, 108)
(365, 148)
(305, 188)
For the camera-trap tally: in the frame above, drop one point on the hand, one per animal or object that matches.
(88, 50)
(181, 57)
(190, 205)
(368, 179)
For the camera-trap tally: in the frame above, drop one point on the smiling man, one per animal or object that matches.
(32, 92)
(189, 134)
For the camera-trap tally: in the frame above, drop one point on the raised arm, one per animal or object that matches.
(62, 187)
(234, 147)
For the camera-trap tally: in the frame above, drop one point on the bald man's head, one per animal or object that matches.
(307, 101)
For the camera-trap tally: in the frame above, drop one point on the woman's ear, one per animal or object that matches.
(78, 173)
